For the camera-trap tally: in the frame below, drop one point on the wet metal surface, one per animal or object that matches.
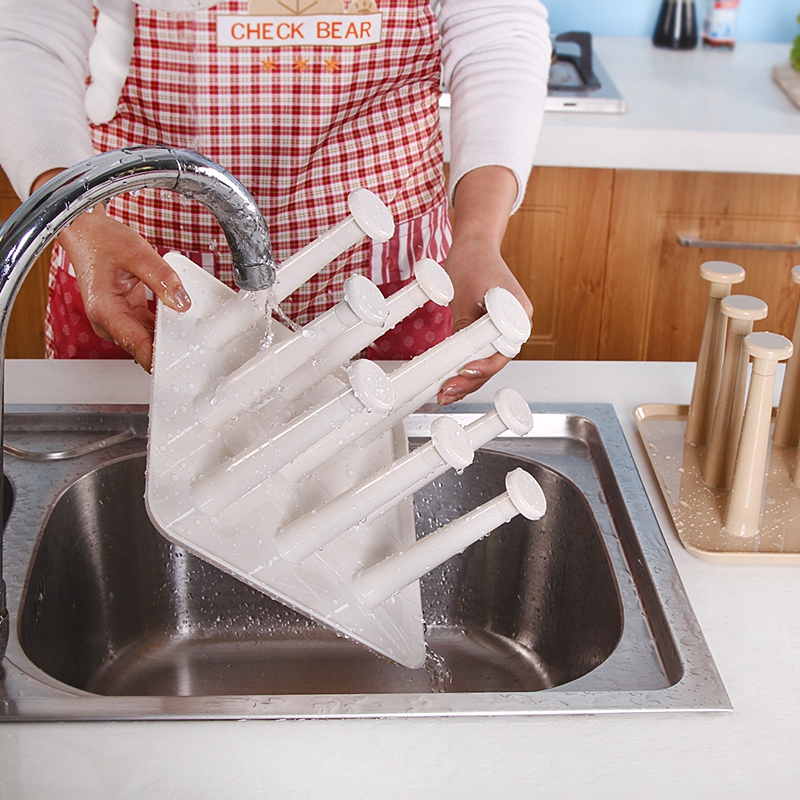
(579, 612)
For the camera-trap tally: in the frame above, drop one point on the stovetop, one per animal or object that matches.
(578, 81)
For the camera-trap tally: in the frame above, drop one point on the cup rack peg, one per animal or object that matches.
(721, 275)
(746, 496)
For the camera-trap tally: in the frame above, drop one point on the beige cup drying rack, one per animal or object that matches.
(727, 463)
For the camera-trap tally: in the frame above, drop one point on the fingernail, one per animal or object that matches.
(181, 299)
(470, 372)
(450, 395)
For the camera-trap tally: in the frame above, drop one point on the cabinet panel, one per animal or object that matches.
(655, 299)
(556, 247)
(25, 338)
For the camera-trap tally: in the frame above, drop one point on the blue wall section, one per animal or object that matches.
(759, 20)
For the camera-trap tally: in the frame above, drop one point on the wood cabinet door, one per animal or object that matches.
(556, 247)
(655, 300)
(25, 337)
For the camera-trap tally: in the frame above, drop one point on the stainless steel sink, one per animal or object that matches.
(580, 612)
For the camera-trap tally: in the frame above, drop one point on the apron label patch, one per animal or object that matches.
(327, 30)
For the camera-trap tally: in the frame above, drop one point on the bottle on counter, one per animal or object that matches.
(676, 27)
(719, 25)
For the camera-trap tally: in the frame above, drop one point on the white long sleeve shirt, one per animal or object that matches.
(495, 58)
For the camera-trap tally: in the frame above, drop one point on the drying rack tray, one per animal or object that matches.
(698, 510)
(242, 544)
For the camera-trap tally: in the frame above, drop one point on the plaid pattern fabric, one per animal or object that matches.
(301, 127)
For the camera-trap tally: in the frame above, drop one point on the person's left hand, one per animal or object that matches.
(475, 268)
(482, 204)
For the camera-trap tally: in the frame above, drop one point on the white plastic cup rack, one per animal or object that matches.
(287, 465)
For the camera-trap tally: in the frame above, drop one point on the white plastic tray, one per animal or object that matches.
(239, 540)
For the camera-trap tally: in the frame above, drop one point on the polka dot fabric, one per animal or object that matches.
(426, 327)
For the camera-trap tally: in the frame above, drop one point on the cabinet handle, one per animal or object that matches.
(690, 240)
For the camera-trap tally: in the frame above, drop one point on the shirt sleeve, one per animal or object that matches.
(43, 72)
(495, 61)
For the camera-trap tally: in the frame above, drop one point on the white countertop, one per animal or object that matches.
(749, 614)
(698, 110)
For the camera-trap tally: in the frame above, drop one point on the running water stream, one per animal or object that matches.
(266, 302)
(439, 673)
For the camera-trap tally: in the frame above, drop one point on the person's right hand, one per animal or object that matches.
(113, 264)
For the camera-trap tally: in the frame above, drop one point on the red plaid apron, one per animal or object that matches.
(324, 119)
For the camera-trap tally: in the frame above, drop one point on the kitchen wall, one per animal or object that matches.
(759, 20)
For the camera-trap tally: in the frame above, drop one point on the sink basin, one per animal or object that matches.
(579, 612)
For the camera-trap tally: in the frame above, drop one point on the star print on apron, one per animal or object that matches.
(303, 101)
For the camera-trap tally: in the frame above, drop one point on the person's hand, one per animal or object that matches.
(113, 265)
(475, 268)
(483, 202)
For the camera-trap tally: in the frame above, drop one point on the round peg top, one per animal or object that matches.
(526, 494)
(767, 349)
(513, 410)
(743, 306)
(452, 442)
(796, 274)
(371, 214)
(721, 272)
(365, 300)
(371, 385)
(508, 315)
(435, 282)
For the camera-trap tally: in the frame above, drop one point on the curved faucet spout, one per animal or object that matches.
(49, 210)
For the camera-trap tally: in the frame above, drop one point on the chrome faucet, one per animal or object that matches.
(49, 210)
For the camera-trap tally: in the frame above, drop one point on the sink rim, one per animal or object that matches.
(34, 695)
